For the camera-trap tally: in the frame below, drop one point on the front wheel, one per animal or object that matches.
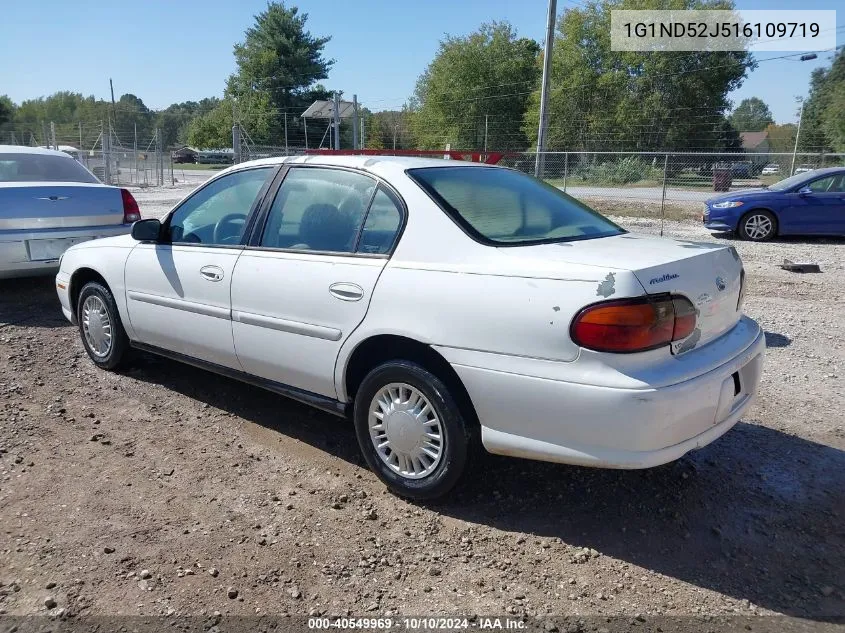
(101, 330)
(758, 226)
(410, 430)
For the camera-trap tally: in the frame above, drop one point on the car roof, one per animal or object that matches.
(379, 165)
(25, 149)
(824, 170)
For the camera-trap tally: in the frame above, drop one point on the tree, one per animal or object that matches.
(823, 120)
(781, 137)
(173, 121)
(487, 74)
(278, 65)
(279, 57)
(7, 110)
(751, 115)
(617, 100)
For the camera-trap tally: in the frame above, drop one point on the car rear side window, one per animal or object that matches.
(384, 219)
(505, 207)
(21, 167)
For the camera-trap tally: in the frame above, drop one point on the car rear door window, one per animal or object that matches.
(216, 214)
(318, 209)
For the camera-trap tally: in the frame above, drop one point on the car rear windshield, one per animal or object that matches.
(41, 168)
(505, 207)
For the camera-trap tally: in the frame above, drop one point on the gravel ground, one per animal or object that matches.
(168, 490)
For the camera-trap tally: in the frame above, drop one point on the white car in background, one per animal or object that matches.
(440, 304)
(49, 202)
(771, 169)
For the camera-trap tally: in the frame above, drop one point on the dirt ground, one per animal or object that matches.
(168, 490)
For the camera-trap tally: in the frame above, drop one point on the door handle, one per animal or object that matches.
(346, 291)
(212, 273)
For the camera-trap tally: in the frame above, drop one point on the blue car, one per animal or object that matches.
(810, 203)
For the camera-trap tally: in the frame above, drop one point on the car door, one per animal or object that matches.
(817, 207)
(305, 281)
(177, 290)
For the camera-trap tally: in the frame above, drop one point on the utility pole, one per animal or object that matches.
(305, 123)
(544, 91)
(363, 140)
(797, 134)
(485, 132)
(135, 151)
(355, 122)
(336, 121)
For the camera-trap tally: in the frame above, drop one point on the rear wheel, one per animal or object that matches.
(102, 333)
(758, 226)
(410, 430)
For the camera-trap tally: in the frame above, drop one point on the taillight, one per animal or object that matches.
(685, 316)
(634, 325)
(131, 212)
(741, 289)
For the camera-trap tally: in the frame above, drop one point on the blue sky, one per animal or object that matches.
(166, 51)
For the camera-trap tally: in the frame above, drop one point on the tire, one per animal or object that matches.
(104, 339)
(758, 226)
(421, 477)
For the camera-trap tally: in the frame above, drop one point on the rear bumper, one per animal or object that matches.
(15, 251)
(588, 425)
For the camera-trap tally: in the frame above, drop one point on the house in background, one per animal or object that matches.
(184, 155)
(756, 145)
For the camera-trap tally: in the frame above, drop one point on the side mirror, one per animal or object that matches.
(146, 230)
(805, 191)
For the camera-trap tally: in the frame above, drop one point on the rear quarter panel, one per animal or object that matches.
(474, 317)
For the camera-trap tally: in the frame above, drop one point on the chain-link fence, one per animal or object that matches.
(141, 162)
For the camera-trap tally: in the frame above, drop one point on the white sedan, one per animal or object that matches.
(438, 303)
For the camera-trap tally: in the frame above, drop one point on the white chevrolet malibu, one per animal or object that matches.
(440, 304)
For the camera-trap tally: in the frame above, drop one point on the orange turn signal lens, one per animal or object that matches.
(634, 325)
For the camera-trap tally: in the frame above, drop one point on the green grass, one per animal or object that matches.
(196, 166)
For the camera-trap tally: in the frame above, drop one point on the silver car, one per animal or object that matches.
(49, 202)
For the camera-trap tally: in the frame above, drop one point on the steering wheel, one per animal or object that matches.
(229, 219)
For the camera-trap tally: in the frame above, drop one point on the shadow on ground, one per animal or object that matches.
(32, 302)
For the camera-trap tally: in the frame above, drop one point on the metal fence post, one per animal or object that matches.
(565, 169)
(53, 135)
(286, 132)
(355, 122)
(106, 141)
(160, 137)
(663, 196)
(236, 143)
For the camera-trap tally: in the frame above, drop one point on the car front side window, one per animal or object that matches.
(216, 215)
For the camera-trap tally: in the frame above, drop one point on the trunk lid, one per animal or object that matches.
(32, 206)
(709, 275)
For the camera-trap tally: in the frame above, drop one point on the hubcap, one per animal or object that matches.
(96, 326)
(406, 431)
(758, 226)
